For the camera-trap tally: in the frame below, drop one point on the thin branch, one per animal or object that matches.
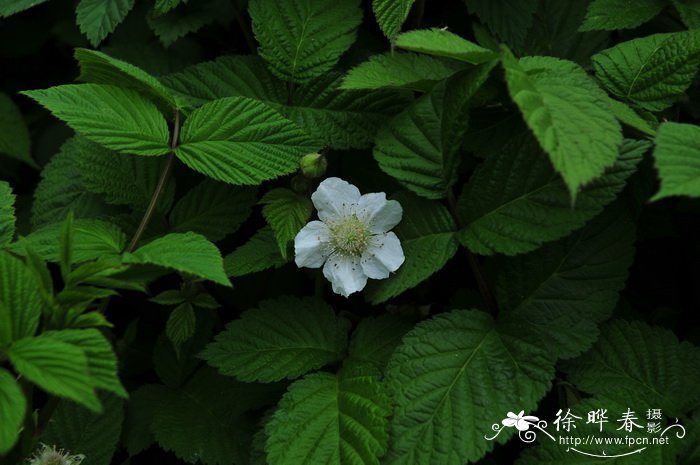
(160, 188)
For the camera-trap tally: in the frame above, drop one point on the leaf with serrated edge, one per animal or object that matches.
(21, 301)
(303, 39)
(117, 118)
(440, 42)
(185, 252)
(212, 209)
(443, 374)
(282, 338)
(330, 419)
(428, 239)
(677, 156)
(12, 407)
(259, 253)
(609, 15)
(286, 212)
(79, 430)
(391, 14)
(419, 146)
(515, 202)
(651, 72)
(399, 71)
(7, 214)
(559, 293)
(342, 119)
(100, 68)
(635, 362)
(98, 18)
(14, 135)
(241, 141)
(57, 367)
(568, 113)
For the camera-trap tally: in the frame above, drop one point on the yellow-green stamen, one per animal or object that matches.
(350, 236)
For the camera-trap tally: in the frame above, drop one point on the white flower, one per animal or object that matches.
(352, 238)
(48, 455)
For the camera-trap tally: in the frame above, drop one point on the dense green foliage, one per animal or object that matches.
(157, 164)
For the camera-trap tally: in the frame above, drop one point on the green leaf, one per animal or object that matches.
(189, 18)
(259, 253)
(282, 338)
(138, 416)
(80, 431)
(444, 373)
(212, 209)
(375, 338)
(241, 141)
(174, 364)
(7, 214)
(181, 324)
(391, 14)
(61, 188)
(342, 119)
(508, 19)
(304, 39)
(14, 136)
(98, 18)
(635, 363)
(677, 156)
(184, 252)
(20, 301)
(119, 179)
(653, 71)
(609, 15)
(419, 146)
(689, 11)
(57, 367)
(100, 68)
(442, 43)
(344, 413)
(286, 212)
(101, 359)
(10, 7)
(205, 421)
(627, 116)
(515, 202)
(12, 408)
(92, 239)
(399, 71)
(559, 293)
(163, 6)
(117, 118)
(428, 239)
(569, 115)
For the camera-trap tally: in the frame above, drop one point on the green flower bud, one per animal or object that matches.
(313, 165)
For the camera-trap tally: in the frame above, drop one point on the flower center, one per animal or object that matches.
(350, 236)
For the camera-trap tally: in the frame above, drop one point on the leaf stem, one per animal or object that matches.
(160, 187)
(482, 284)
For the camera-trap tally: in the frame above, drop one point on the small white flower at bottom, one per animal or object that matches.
(48, 455)
(352, 240)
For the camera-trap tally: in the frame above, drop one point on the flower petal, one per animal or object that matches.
(311, 245)
(345, 273)
(379, 213)
(509, 422)
(335, 198)
(383, 256)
